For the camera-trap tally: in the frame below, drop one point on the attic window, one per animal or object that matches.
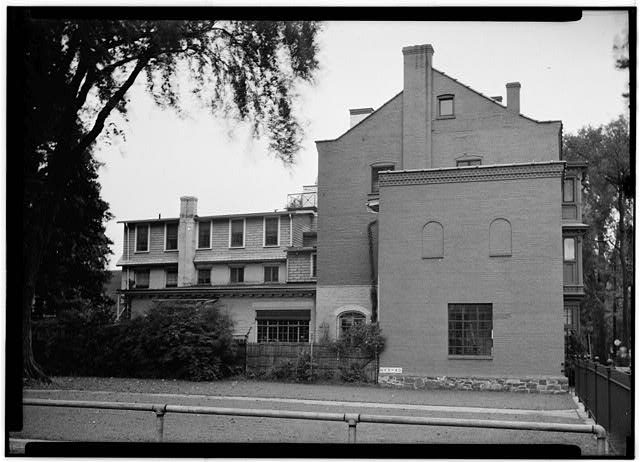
(445, 106)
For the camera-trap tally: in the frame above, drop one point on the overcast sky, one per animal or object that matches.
(566, 70)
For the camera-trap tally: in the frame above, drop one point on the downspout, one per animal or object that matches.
(290, 245)
(372, 274)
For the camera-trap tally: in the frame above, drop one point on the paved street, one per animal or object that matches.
(107, 425)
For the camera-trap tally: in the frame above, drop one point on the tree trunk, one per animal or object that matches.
(30, 368)
(622, 233)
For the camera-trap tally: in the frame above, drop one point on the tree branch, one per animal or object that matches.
(98, 126)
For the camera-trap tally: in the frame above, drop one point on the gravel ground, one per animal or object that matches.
(342, 392)
(123, 426)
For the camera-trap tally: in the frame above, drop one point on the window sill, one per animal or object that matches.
(484, 358)
(236, 247)
(203, 248)
(141, 251)
(170, 250)
(445, 117)
(274, 246)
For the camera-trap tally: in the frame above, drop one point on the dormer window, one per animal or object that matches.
(445, 106)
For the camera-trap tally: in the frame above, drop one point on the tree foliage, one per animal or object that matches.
(608, 245)
(75, 73)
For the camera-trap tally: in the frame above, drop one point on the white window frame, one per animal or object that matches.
(264, 232)
(269, 265)
(237, 267)
(314, 256)
(210, 234)
(135, 246)
(244, 232)
(165, 238)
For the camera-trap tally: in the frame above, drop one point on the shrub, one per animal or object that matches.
(172, 341)
(366, 339)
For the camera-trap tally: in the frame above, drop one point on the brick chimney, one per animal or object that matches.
(513, 97)
(187, 241)
(417, 100)
(356, 115)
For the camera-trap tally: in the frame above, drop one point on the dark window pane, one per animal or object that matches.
(470, 328)
(142, 238)
(237, 233)
(375, 171)
(172, 278)
(271, 231)
(141, 279)
(172, 237)
(237, 274)
(204, 276)
(204, 234)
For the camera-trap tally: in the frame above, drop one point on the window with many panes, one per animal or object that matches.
(204, 276)
(445, 106)
(470, 329)
(204, 234)
(236, 229)
(236, 274)
(271, 231)
(271, 273)
(348, 320)
(375, 172)
(171, 236)
(171, 279)
(281, 330)
(141, 278)
(142, 238)
(314, 265)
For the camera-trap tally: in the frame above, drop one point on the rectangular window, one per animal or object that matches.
(470, 329)
(237, 274)
(445, 106)
(568, 190)
(171, 236)
(279, 330)
(142, 238)
(314, 265)
(375, 172)
(236, 228)
(271, 273)
(171, 278)
(271, 231)
(569, 249)
(141, 279)
(204, 234)
(204, 276)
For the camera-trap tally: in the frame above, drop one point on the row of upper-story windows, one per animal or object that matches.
(237, 232)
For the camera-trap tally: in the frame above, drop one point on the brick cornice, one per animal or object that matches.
(474, 173)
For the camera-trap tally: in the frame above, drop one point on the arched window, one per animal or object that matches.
(499, 238)
(349, 319)
(432, 240)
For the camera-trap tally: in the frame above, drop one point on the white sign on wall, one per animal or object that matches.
(391, 370)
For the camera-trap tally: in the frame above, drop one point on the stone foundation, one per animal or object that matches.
(550, 385)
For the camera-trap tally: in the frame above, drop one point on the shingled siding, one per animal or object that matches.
(156, 253)
(299, 267)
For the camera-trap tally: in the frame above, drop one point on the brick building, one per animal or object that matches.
(452, 219)
(257, 267)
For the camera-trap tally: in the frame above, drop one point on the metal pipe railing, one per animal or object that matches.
(351, 419)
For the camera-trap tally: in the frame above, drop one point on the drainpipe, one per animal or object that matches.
(290, 231)
(372, 272)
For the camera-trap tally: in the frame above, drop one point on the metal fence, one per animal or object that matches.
(325, 361)
(606, 394)
(352, 419)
